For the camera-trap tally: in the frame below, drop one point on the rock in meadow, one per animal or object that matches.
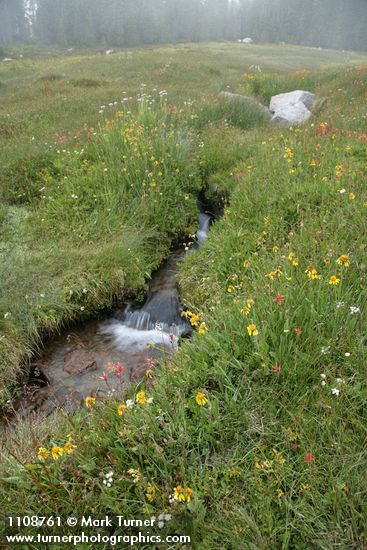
(295, 113)
(291, 107)
(290, 98)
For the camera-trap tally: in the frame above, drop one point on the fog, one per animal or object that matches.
(338, 24)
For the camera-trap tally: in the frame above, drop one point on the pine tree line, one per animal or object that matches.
(339, 24)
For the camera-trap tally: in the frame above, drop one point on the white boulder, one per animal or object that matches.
(293, 113)
(291, 107)
(289, 98)
(7, 59)
(108, 52)
(247, 40)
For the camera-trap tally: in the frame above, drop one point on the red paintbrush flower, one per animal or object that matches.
(308, 458)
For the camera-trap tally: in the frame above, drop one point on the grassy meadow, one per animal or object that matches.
(254, 434)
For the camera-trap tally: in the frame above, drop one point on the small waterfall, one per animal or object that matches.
(160, 316)
(202, 232)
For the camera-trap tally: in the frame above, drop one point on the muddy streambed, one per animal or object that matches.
(86, 360)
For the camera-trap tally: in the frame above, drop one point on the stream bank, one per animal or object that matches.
(101, 357)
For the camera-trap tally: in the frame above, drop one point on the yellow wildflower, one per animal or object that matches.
(69, 448)
(334, 280)
(188, 493)
(246, 311)
(201, 399)
(202, 328)
(179, 493)
(121, 409)
(343, 260)
(264, 465)
(89, 402)
(352, 196)
(252, 330)
(295, 262)
(312, 273)
(194, 319)
(57, 452)
(288, 154)
(150, 494)
(149, 373)
(135, 474)
(43, 453)
(141, 398)
(278, 457)
(230, 288)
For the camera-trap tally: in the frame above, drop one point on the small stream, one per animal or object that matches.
(86, 360)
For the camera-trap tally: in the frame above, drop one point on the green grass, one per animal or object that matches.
(275, 458)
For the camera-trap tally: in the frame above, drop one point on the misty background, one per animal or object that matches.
(338, 24)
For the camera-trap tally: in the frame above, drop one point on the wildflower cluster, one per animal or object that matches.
(195, 321)
(56, 451)
(181, 494)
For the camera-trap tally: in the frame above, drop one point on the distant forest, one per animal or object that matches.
(338, 24)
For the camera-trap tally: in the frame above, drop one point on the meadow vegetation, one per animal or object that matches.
(253, 434)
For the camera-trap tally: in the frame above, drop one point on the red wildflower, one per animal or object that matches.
(294, 446)
(298, 331)
(279, 299)
(239, 174)
(104, 377)
(308, 458)
(277, 369)
(119, 369)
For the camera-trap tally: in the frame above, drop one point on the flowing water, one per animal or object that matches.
(82, 362)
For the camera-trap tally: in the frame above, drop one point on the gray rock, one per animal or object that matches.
(7, 59)
(291, 107)
(281, 100)
(247, 40)
(293, 113)
(247, 99)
